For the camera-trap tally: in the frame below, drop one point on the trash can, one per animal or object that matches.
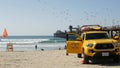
(9, 47)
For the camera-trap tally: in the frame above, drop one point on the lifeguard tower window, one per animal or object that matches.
(90, 36)
(71, 37)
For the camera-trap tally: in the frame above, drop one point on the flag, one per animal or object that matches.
(5, 34)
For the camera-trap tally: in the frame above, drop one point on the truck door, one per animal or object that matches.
(73, 45)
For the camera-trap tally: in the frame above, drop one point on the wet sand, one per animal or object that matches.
(47, 59)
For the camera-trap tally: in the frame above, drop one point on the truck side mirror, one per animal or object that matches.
(116, 37)
(79, 39)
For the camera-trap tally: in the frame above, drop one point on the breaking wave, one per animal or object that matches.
(31, 41)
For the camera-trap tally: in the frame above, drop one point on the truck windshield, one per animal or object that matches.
(90, 36)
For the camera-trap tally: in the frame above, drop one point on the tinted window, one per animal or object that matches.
(96, 36)
(72, 37)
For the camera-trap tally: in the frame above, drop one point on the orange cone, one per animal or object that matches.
(82, 61)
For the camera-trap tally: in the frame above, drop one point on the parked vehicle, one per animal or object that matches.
(93, 43)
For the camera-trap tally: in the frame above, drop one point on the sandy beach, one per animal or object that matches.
(47, 59)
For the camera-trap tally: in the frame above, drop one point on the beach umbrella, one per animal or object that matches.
(5, 34)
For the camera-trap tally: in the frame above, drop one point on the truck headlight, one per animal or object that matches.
(89, 45)
(117, 44)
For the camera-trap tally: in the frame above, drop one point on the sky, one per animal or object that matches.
(45, 17)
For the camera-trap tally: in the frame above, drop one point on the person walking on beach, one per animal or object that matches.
(36, 47)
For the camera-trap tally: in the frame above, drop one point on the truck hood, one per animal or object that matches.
(100, 41)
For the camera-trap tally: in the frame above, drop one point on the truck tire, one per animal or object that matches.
(116, 59)
(86, 60)
(79, 55)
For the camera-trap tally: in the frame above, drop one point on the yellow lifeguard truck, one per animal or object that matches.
(93, 43)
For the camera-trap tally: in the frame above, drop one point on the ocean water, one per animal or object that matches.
(27, 43)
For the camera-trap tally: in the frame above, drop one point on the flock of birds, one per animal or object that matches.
(66, 15)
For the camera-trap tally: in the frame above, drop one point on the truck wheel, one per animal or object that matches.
(117, 59)
(67, 54)
(86, 60)
(79, 55)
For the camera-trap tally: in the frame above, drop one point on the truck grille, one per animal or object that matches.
(104, 46)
